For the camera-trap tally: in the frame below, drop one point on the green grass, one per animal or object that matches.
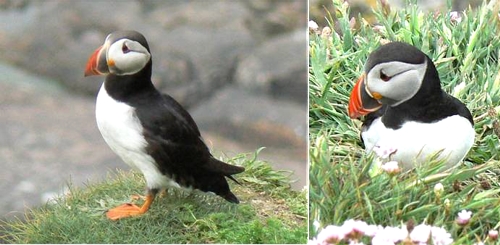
(269, 212)
(466, 53)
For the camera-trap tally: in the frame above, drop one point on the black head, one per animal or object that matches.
(128, 34)
(395, 74)
(395, 51)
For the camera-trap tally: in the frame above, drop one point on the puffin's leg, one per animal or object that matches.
(137, 197)
(128, 209)
(163, 193)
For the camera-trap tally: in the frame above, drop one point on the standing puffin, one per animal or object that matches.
(407, 111)
(150, 131)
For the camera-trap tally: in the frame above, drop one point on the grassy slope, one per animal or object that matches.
(466, 54)
(269, 212)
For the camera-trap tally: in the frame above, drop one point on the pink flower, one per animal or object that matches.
(331, 234)
(391, 167)
(352, 23)
(372, 230)
(455, 17)
(389, 235)
(355, 228)
(464, 217)
(440, 236)
(379, 29)
(355, 243)
(313, 26)
(380, 240)
(384, 152)
(493, 235)
(421, 233)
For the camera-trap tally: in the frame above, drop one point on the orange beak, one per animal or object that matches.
(361, 102)
(96, 65)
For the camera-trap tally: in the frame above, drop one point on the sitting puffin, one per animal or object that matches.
(407, 111)
(150, 131)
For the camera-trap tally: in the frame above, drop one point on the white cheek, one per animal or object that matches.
(402, 86)
(131, 62)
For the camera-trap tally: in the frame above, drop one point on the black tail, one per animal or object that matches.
(230, 197)
(217, 166)
(225, 169)
(219, 184)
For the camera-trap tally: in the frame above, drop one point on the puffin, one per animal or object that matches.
(148, 130)
(406, 112)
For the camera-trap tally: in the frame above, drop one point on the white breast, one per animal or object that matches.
(122, 131)
(415, 142)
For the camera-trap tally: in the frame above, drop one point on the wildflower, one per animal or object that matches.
(457, 91)
(493, 235)
(313, 26)
(455, 17)
(436, 14)
(355, 228)
(464, 217)
(381, 240)
(371, 230)
(391, 167)
(421, 233)
(345, 5)
(389, 235)
(447, 204)
(440, 236)
(326, 32)
(384, 152)
(438, 189)
(355, 243)
(384, 41)
(352, 23)
(316, 224)
(380, 29)
(331, 234)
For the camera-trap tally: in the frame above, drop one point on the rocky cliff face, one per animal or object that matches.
(240, 67)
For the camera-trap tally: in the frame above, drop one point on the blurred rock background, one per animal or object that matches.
(240, 67)
(318, 8)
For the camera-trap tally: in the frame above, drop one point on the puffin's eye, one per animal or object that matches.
(125, 49)
(384, 77)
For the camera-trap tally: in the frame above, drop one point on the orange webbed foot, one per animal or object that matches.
(129, 210)
(124, 211)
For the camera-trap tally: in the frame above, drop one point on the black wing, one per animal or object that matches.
(175, 143)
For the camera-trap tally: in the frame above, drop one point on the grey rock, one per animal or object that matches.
(196, 44)
(213, 55)
(265, 71)
(48, 138)
(270, 18)
(254, 121)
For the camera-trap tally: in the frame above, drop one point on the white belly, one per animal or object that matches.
(122, 131)
(415, 142)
